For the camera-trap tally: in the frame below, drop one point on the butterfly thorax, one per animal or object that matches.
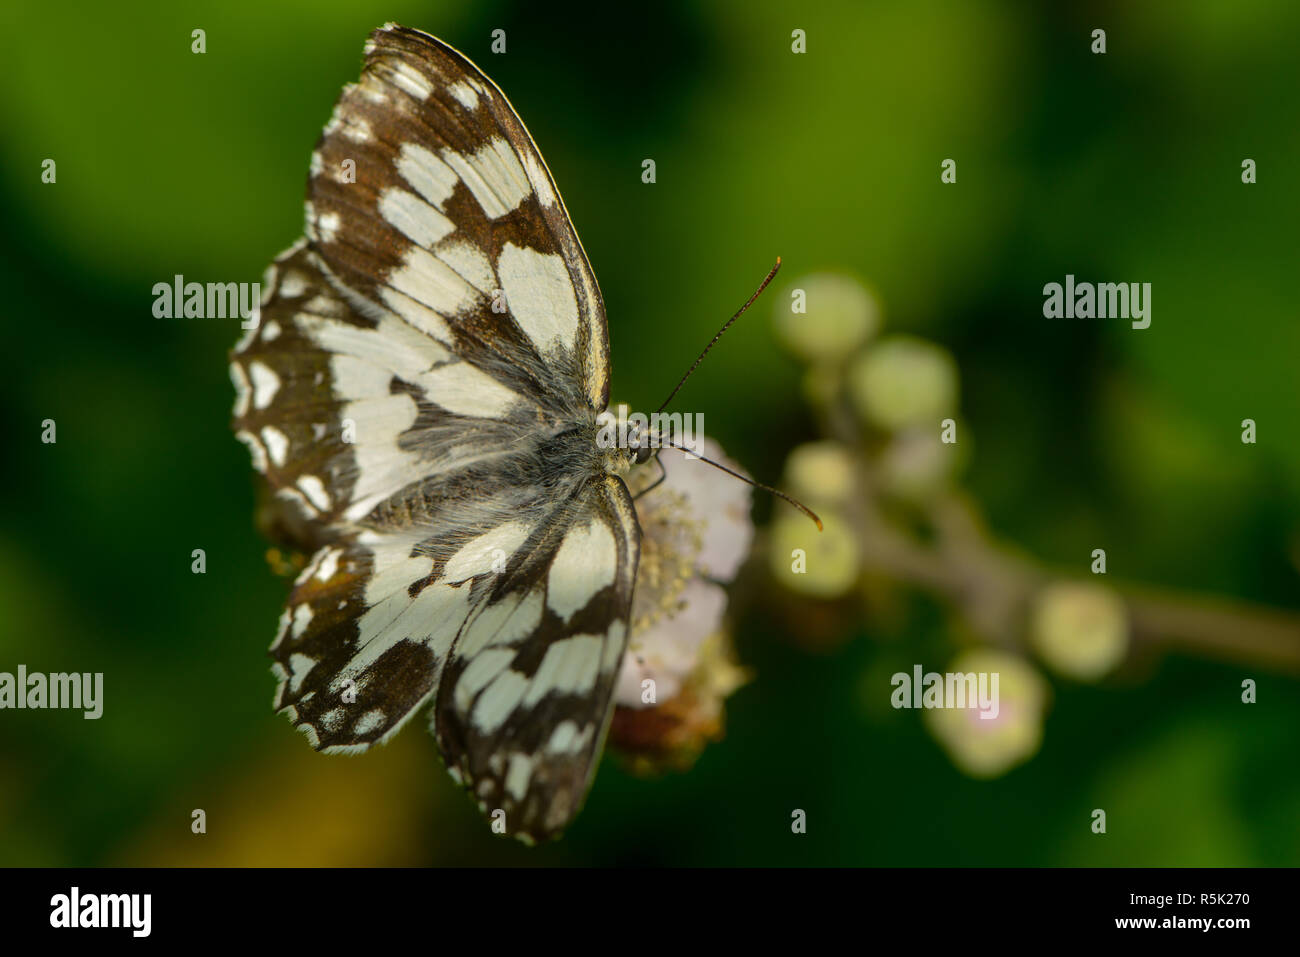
(536, 471)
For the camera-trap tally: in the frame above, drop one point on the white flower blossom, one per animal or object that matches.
(696, 533)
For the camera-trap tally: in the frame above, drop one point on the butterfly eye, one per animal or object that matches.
(643, 453)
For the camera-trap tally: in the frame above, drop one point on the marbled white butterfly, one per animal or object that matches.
(422, 395)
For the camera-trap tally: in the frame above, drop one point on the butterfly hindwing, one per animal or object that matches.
(520, 647)
(356, 653)
(371, 621)
(527, 694)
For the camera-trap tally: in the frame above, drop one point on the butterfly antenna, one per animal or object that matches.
(727, 325)
(746, 479)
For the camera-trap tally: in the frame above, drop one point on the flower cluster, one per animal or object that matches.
(884, 479)
(680, 666)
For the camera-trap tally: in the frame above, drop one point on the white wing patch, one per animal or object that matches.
(519, 774)
(410, 80)
(464, 93)
(567, 738)
(393, 615)
(325, 227)
(420, 316)
(539, 296)
(499, 700)
(255, 448)
(265, 384)
(291, 285)
(433, 617)
(470, 263)
(585, 563)
(494, 175)
(325, 563)
(299, 667)
(570, 667)
(382, 466)
(314, 489)
(432, 178)
(243, 391)
(467, 390)
(277, 445)
(368, 722)
(484, 667)
(615, 644)
(413, 217)
(540, 181)
(393, 345)
(502, 623)
(486, 553)
(428, 280)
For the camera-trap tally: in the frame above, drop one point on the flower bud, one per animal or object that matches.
(904, 381)
(1080, 629)
(915, 464)
(820, 472)
(987, 747)
(821, 564)
(839, 315)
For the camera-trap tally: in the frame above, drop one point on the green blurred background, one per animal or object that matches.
(1117, 167)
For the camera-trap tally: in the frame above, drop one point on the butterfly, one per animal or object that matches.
(423, 395)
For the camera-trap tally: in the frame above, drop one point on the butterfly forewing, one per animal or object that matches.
(421, 397)
(453, 221)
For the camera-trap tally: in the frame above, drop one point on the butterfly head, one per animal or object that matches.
(641, 446)
(624, 440)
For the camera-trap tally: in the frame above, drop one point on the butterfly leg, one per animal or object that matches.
(663, 474)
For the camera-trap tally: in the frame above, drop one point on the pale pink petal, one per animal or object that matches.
(720, 502)
(668, 650)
